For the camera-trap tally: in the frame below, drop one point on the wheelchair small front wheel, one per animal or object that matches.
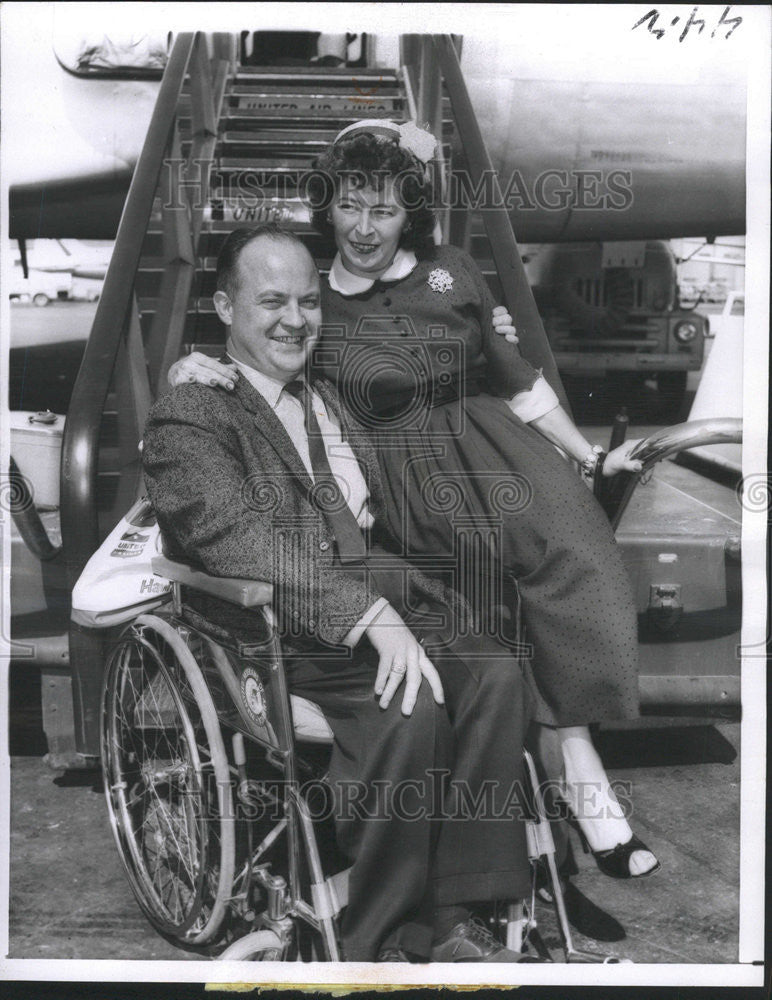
(260, 946)
(167, 782)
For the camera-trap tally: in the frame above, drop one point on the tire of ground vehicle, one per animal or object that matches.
(167, 782)
(261, 946)
(672, 390)
(40, 299)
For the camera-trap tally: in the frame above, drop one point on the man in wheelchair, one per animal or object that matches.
(276, 482)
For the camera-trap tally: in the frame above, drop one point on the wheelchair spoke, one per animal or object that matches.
(170, 864)
(166, 827)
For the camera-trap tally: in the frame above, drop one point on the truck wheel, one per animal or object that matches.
(672, 390)
(40, 299)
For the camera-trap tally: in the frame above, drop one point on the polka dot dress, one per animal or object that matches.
(473, 491)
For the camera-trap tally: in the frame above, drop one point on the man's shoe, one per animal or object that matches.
(473, 942)
(391, 954)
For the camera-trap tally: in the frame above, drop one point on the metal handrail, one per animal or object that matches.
(680, 437)
(661, 444)
(80, 531)
(516, 290)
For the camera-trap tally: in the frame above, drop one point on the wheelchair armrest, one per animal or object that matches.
(246, 593)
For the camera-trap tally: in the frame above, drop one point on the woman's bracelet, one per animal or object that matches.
(590, 464)
(597, 478)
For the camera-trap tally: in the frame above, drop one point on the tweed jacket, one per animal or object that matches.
(232, 496)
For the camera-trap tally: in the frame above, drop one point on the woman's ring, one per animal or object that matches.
(399, 668)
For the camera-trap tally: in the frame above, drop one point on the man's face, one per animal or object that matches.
(275, 311)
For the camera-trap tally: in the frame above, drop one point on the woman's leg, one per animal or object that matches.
(592, 800)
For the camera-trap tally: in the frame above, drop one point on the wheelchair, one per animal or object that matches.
(208, 760)
(184, 810)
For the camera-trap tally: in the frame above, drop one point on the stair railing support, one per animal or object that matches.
(518, 296)
(117, 312)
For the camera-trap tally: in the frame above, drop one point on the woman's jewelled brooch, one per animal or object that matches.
(440, 281)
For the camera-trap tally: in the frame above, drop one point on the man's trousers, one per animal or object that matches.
(427, 806)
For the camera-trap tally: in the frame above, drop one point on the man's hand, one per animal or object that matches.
(618, 460)
(198, 367)
(502, 324)
(401, 657)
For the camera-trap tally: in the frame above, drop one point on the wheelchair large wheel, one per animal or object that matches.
(167, 782)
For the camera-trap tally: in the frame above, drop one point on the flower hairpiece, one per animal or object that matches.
(417, 141)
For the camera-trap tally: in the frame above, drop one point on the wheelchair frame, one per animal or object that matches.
(168, 772)
(195, 920)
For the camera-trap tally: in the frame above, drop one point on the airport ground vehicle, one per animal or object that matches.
(614, 309)
(41, 287)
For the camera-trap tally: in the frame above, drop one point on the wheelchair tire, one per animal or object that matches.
(167, 782)
(260, 946)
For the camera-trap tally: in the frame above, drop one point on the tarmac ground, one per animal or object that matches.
(69, 898)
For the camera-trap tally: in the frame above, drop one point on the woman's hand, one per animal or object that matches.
(502, 324)
(618, 460)
(197, 367)
(401, 657)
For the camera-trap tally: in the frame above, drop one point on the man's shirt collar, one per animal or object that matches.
(348, 284)
(269, 388)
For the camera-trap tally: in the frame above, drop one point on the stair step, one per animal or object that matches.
(300, 137)
(203, 304)
(331, 74)
(287, 142)
(227, 212)
(149, 306)
(319, 245)
(358, 97)
(155, 265)
(253, 211)
(255, 121)
(302, 119)
(261, 159)
(252, 185)
(227, 206)
(241, 179)
(268, 153)
(310, 88)
(235, 214)
(205, 328)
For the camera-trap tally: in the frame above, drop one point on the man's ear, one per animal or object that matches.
(222, 304)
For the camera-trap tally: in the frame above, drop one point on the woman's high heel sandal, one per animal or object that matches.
(615, 862)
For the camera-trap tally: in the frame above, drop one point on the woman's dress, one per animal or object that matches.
(472, 488)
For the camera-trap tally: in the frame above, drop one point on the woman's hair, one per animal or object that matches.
(366, 161)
